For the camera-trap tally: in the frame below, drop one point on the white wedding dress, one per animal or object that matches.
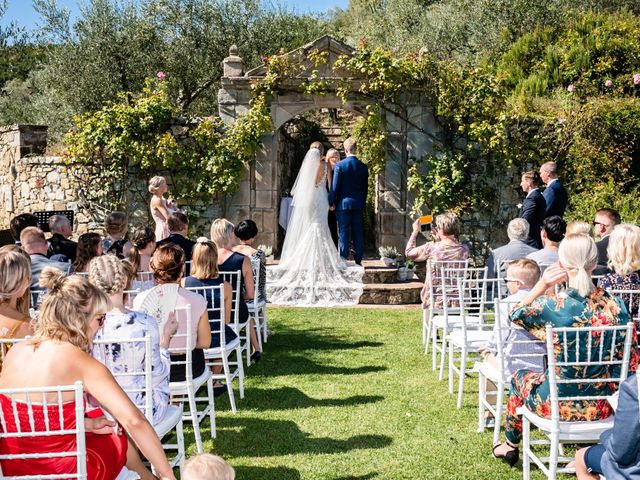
(311, 272)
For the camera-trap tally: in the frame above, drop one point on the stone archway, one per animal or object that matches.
(258, 196)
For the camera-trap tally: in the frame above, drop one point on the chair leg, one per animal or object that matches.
(247, 330)
(212, 407)
(425, 329)
(227, 377)
(482, 397)
(434, 346)
(553, 456)
(180, 444)
(194, 419)
(443, 356)
(526, 445)
(263, 310)
(258, 330)
(240, 371)
(498, 409)
(462, 373)
(450, 379)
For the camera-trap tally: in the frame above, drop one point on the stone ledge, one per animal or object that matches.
(391, 293)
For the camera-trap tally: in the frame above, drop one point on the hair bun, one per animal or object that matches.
(52, 279)
(202, 240)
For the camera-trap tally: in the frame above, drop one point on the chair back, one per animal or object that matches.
(442, 279)
(134, 374)
(475, 298)
(36, 297)
(607, 351)
(145, 277)
(33, 408)
(129, 296)
(234, 279)
(257, 278)
(631, 299)
(188, 341)
(215, 308)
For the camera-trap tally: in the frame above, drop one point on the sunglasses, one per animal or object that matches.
(100, 319)
(512, 280)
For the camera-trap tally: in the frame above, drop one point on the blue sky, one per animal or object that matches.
(22, 10)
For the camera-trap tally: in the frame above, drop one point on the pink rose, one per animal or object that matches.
(571, 88)
(608, 83)
(636, 79)
(161, 75)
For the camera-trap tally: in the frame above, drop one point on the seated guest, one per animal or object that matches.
(15, 321)
(246, 232)
(606, 219)
(19, 223)
(582, 304)
(624, 261)
(59, 243)
(143, 244)
(517, 231)
(115, 242)
(178, 230)
(578, 226)
(207, 467)
(108, 274)
(517, 348)
(204, 273)
(445, 246)
(167, 265)
(71, 314)
(222, 234)
(553, 229)
(534, 207)
(35, 244)
(89, 247)
(617, 456)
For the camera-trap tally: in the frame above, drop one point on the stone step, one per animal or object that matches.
(401, 293)
(380, 275)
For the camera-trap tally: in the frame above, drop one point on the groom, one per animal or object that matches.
(348, 195)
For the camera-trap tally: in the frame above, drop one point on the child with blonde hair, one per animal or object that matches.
(207, 467)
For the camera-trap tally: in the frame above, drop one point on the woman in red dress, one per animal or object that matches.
(58, 354)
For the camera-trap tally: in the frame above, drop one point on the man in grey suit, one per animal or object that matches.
(35, 244)
(517, 248)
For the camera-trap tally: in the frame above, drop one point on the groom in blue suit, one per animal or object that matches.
(349, 195)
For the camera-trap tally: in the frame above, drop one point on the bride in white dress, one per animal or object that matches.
(311, 272)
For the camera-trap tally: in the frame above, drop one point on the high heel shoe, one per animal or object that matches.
(511, 457)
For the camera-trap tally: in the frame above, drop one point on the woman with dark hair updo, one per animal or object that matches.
(143, 243)
(59, 354)
(89, 247)
(109, 275)
(167, 265)
(247, 231)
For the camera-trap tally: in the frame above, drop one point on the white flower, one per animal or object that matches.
(519, 205)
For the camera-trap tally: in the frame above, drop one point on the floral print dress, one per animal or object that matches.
(567, 309)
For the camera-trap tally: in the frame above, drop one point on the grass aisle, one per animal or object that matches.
(348, 394)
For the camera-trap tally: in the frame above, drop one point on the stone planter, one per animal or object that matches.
(402, 274)
(389, 262)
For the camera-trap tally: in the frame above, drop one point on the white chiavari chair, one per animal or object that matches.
(257, 307)
(233, 278)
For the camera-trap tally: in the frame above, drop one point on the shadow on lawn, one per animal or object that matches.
(317, 339)
(266, 473)
(285, 398)
(359, 477)
(285, 438)
(280, 363)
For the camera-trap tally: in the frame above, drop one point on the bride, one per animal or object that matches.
(311, 272)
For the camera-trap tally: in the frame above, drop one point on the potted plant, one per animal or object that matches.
(388, 255)
(411, 269)
(402, 270)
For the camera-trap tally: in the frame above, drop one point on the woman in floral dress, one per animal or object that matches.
(580, 305)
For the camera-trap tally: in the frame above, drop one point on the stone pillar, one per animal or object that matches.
(233, 65)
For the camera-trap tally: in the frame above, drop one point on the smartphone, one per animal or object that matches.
(425, 222)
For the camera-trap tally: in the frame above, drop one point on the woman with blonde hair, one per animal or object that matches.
(59, 354)
(223, 235)
(159, 207)
(579, 226)
(108, 273)
(580, 305)
(15, 321)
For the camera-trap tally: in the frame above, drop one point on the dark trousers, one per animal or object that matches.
(351, 226)
(333, 226)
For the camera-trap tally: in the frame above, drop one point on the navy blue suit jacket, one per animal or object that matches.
(556, 197)
(533, 211)
(350, 184)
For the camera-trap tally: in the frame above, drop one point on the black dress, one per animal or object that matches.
(233, 264)
(214, 319)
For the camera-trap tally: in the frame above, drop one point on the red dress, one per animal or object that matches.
(106, 454)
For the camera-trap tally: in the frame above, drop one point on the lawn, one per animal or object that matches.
(348, 394)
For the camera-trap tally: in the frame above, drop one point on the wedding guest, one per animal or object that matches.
(246, 231)
(617, 456)
(158, 206)
(207, 467)
(553, 230)
(143, 244)
(578, 226)
(606, 219)
(624, 261)
(517, 231)
(58, 354)
(204, 273)
(34, 243)
(178, 225)
(555, 194)
(115, 242)
(19, 223)
(582, 304)
(445, 245)
(109, 275)
(89, 247)
(167, 265)
(15, 321)
(333, 157)
(59, 242)
(222, 234)
(534, 207)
